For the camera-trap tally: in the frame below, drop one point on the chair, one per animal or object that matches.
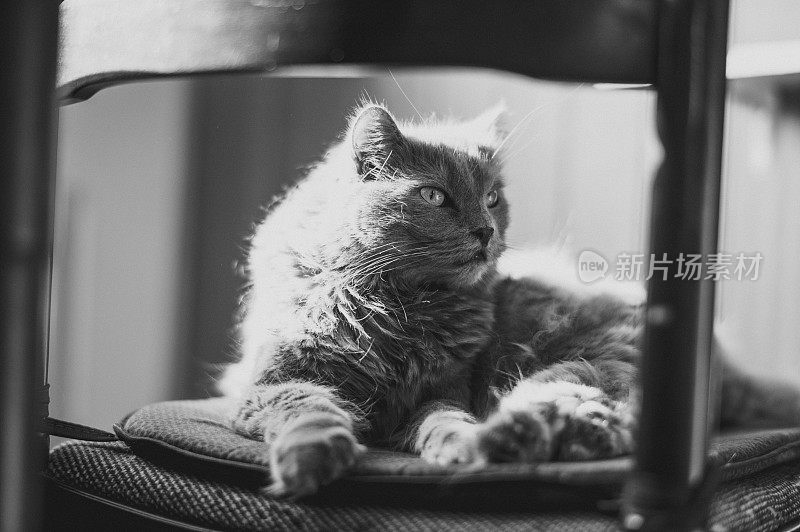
(678, 46)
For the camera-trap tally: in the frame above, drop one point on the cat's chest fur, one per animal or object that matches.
(429, 352)
(390, 352)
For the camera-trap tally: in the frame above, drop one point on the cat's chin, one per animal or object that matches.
(474, 272)
(477, 258)
(458, 277)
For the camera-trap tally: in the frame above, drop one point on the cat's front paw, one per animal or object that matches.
(555, 420)
(306, 457)
(455, 448)
(597, 429)
(516, 436)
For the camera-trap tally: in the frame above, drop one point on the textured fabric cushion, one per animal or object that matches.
(192, 431)
(113, 471)
(194, 437)
(766, 500)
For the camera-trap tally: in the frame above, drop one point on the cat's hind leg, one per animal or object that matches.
(309, 432)
(556, 415)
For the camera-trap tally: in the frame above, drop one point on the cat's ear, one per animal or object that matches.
(375, 137)
(493, 120)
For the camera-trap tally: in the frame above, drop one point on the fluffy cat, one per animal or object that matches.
(376, 315)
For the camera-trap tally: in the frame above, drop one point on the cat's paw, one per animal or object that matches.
(306, 457)
(456, 448)
(516, 436)
(554, 420)
(597, 429)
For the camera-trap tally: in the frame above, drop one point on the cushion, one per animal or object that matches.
(766, 500)
(181, 460)
(199, 430)
(113, 472)
(195, 436)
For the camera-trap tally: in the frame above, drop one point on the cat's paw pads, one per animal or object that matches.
(302, 460)
(597, 430)
(515, 436)
(544, 421)
(456, 448)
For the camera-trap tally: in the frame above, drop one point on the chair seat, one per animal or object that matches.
(112, 472)
(181, 466)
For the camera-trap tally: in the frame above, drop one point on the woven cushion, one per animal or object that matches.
(197, 433)
(195, 436)
(112, 471)
(181, 460)
(766, 500)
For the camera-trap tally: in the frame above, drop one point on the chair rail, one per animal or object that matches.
(106, 42)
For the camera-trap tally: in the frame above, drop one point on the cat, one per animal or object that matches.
(376, 315)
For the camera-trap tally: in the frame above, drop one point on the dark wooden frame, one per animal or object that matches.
(27, 130)
(676, 45)
(599, 40)
(672, 481)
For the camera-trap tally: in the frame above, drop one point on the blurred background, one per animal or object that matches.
(160, 183)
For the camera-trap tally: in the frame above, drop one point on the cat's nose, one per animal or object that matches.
(484, 234)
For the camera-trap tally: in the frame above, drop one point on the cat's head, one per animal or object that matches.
(431, 204)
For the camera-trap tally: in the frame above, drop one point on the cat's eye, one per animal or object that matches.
(432, 195)
(492, 199)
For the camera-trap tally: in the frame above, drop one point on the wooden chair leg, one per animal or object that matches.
(28, 40)
(673, 437)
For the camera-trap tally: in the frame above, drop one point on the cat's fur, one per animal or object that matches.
(374, 317)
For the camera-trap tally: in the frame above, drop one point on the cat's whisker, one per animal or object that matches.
(388, 255)
(404, 94)
(511, 133)
(381, 266)
(366, 258)
(397, 247)
(385, 267)
(531, 113)
(513, 151)
(369, 260)
(383, 165)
